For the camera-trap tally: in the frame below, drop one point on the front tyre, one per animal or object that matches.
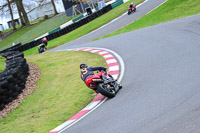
(110, 93)
(129, 12)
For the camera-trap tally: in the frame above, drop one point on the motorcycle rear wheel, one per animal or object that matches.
(104, 91)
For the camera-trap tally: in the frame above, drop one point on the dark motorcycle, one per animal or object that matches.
(131, 9)
(41, 48)
(105, 84)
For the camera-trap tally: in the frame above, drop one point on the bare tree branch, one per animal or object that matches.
(11, 14)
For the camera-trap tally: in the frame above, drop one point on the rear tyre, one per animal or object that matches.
(105, 91)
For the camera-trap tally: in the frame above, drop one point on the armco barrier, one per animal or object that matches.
(13, 78)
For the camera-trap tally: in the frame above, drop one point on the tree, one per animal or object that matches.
(20, 12)
(11, 14)
(20, 6)
(54, 7)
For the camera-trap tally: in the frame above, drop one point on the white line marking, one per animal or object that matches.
(63, 125)
(156, 7)
(91, 105)
(121, 62)
(83, 115)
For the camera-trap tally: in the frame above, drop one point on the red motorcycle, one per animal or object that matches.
(104, 83)
(131, 9)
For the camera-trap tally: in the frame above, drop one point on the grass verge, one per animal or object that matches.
(100, 21)
(60, 93)
(29, 33)
(2, 64)
(172, 9)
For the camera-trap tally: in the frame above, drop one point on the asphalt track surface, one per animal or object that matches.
(160, 84)
(118, 24)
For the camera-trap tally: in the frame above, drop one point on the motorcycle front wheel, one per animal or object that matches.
(101, 88)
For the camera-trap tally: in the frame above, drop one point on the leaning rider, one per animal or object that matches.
(44, 42)
(131, 5)
(87, 72)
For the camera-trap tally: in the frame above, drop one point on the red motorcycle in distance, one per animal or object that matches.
(104, 83)
(131, 9)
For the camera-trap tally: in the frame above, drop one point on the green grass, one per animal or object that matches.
(59, 95)
(100, 21)
(29, 33)
(2, 64)
(7, 42)
(8, 30)
(172, 9)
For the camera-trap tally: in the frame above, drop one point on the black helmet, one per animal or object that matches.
(82, 65)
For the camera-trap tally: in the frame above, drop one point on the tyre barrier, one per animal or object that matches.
(13, 78)
(69, 28)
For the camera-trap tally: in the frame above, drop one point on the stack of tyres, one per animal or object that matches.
(13, 78)
(11, 48)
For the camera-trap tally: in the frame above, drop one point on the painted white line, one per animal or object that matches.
(95, 104)
(83, 115)
(91, 105)
(63, 125)
(156, 7)
(122, 65)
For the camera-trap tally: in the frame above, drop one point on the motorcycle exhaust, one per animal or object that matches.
(97, 80)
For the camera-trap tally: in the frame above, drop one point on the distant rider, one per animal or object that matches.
(132, 5)
(43, 44)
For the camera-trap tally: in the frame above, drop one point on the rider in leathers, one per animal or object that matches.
(87, 72)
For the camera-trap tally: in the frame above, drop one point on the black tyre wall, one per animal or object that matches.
(13, 78)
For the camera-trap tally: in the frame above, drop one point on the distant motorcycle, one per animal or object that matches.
(131, 9)
(105, 84)
(41, 48)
